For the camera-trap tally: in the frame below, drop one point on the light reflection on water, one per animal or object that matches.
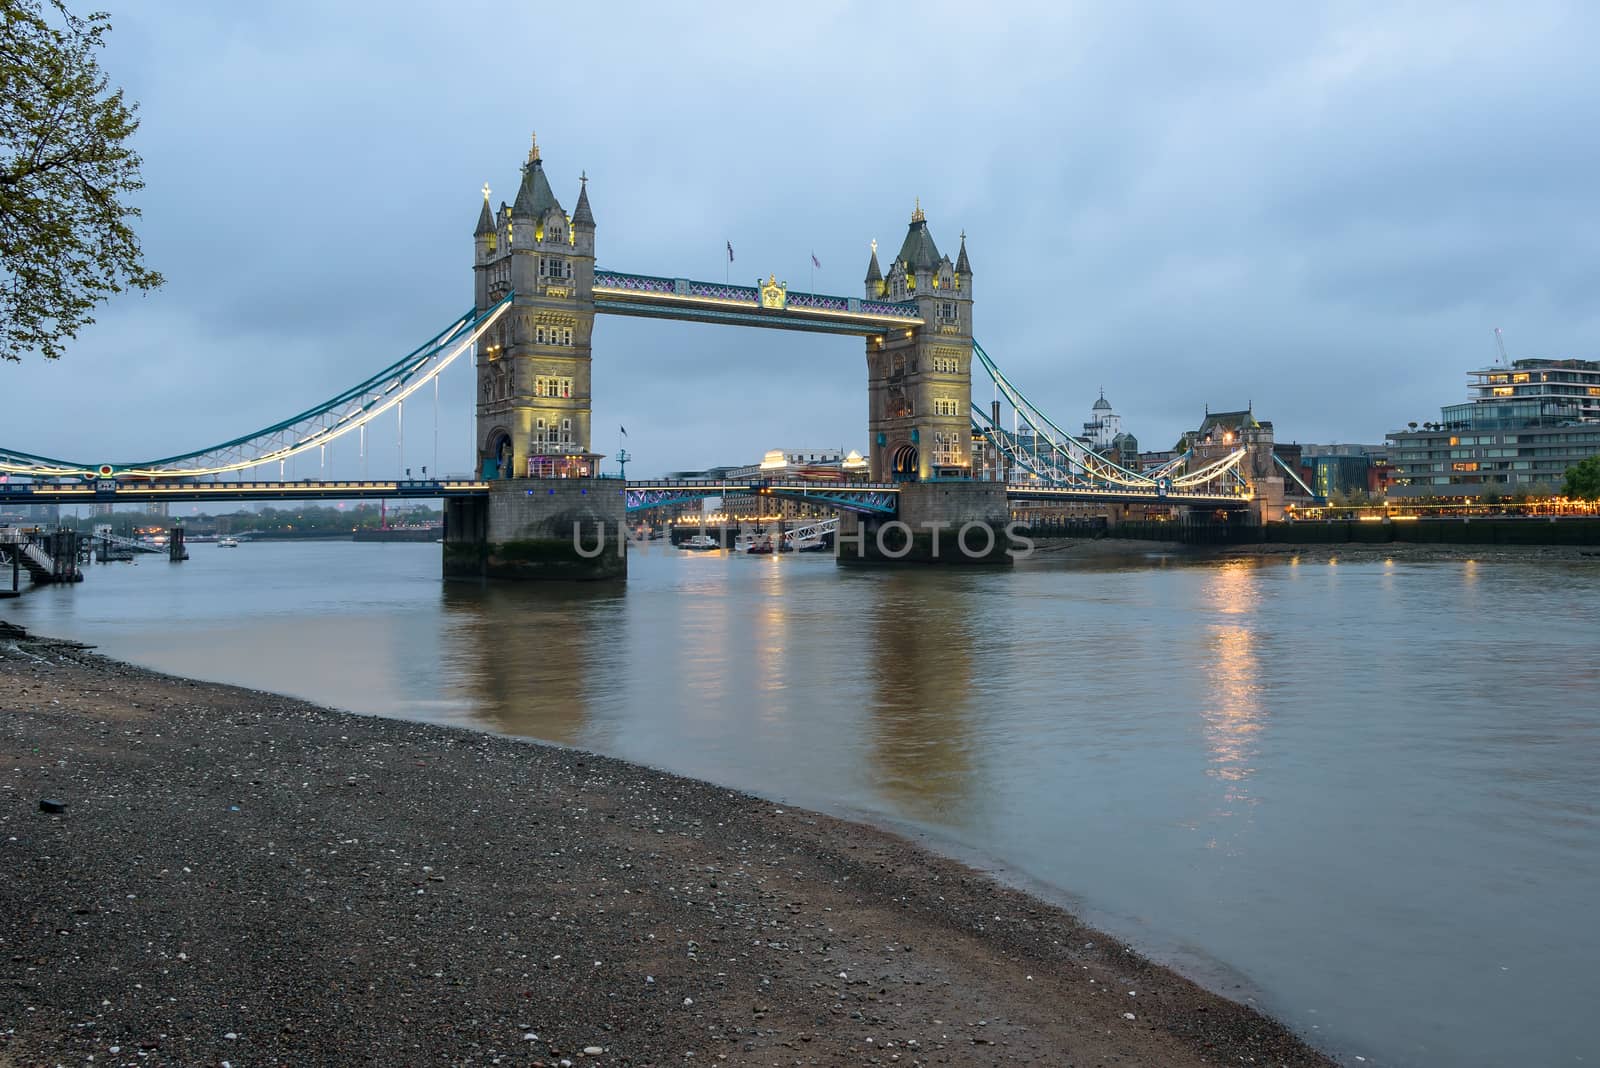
(1366, 787)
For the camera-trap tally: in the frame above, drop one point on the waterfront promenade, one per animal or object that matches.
(247, 878)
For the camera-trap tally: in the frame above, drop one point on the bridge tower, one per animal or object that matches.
(533, 432)
(533, 366)
(919, 379)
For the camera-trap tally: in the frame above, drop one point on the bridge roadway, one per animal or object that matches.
(769, 305)
(873, 498)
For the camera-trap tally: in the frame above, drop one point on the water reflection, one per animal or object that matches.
(1423, 876)
(1233, 711)
(527, 656)
(921, 659)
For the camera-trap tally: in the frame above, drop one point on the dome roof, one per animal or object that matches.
(1102, 405)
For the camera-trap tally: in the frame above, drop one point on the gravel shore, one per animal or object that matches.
(240, 879)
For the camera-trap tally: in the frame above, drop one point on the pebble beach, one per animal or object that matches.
(239, 878)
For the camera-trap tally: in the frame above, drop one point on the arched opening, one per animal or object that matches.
(904, 462)
(497, 460)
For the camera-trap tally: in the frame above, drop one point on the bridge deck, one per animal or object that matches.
(618, 293)
(1123, 495)
(107, 491)
(861, 496)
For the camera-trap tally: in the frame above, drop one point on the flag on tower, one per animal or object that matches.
(624, 430)
(816, 262)
(730, 251)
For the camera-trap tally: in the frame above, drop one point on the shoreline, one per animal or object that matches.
(1399, 552)
(253, 856)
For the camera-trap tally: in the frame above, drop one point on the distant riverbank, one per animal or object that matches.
(240, 875)
(1322, 551)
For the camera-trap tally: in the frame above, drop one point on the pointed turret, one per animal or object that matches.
(534, 196)
(874, 273)
(485, 216)
(962, 266)
(581, 215)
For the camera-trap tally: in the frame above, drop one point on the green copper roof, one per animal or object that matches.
(485, 220)
(919, 250)
(534, 197)
(961, 261)
(874, 274)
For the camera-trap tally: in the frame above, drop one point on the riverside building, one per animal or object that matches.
(1522, 428)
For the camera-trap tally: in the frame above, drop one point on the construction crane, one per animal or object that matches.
(1500, 343)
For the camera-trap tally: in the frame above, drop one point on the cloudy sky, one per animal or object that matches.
(1321, 210)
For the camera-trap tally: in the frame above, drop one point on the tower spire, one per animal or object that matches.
(916, 213)
(533, 148)
(581, 214)
(485, 216)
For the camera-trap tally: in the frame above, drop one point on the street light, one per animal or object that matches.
(622, 460)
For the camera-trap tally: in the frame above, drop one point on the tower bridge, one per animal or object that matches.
(933, 456)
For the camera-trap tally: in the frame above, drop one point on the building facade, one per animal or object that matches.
(1523, 427)
(1499, 452)
(1345, 469)
(1571, 382)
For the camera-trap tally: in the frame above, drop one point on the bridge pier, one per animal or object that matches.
(958, 522)
(538, 529)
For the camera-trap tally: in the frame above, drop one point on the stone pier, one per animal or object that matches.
(534, 528)
(958, 522)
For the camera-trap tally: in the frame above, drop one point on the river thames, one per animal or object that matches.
(1361, 793)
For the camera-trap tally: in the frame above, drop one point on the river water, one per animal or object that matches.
(1365, 794)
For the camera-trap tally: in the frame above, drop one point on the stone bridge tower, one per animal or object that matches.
(919, 380)
(533, 366)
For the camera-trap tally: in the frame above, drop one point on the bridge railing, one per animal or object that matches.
(1037, 489)
(750, 296)
(742, 483)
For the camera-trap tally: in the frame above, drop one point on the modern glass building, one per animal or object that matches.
(1521, 431)
(1571, 382)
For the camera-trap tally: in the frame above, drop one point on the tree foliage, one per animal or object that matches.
(66, 174)
(1583, 480)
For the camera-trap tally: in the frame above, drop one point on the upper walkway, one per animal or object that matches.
(769, 304)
